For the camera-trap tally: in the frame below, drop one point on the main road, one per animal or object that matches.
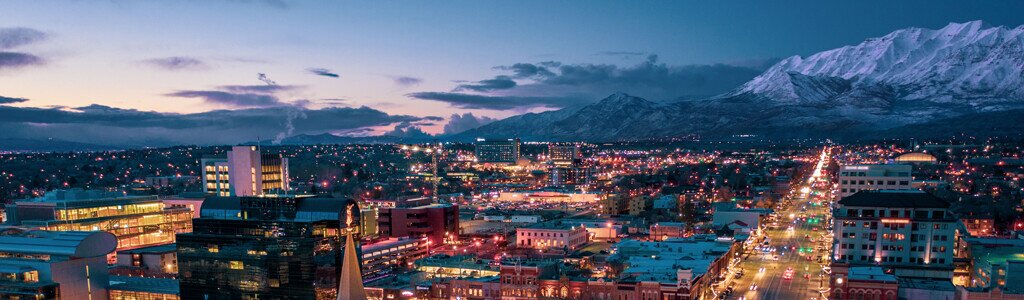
(797, 243)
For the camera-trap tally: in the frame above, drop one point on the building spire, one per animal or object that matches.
(350, 284)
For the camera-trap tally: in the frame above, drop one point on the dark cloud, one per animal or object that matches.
(500, 82)
(259, 89)
(15, 60)
(9, 100)
(459, 123)
(13, 38)
(322, 72)
(553, 84)
(128, 126)
(525, 70)
(176, 63)
(406, 80)
(19, 36)
(472, 101)
(407, 130)
(231, 99)
(626, 54)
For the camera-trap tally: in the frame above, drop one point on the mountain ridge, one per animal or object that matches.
(909, 76)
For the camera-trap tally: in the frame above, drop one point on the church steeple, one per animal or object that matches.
(350, 283)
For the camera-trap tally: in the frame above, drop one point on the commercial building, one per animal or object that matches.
(382, 257)
(907, 233)
(37, 264)
(245, 171)
(996, 264)
(549, 197)
(155, 261)
(855, 178)
(665, 230)
(143, 288)
(271, 247)
(866, 283)
(564, 154)
(568, 176)
(497, 150)
(137, 221)
(458, 266)
(728, 212)
(552, 235)
(437, 222)
(671, 269)
(677, 269)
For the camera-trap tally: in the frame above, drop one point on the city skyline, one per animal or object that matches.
(71, 69)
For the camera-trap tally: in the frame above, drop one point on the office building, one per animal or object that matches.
(143, 288)
(38, 264)
(271, 247)
(245, 171)
(552, 235)
(383, 256)
(855, 178)
(497, 150)
(155, 261)
(437, 222)
(908, 233)
(560, 154)
(136, 221)
(568, 176)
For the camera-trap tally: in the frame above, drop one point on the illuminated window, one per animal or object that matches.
(237, 265)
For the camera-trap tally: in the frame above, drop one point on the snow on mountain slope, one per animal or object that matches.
(960, 61)
(910, 76)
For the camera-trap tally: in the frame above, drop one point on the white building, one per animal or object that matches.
(855, 178)
(911, 232)
(245, 172)
(728, 212)
(551, 235)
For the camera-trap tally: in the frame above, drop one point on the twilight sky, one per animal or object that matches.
(169, 72)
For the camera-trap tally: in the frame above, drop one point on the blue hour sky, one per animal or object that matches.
(409, 62)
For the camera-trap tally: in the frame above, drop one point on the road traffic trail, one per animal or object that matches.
(790, 263)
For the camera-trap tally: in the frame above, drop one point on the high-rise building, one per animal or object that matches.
(497, 150)
(909, 233)
(136, 221)
(39, 264)
(245, 172)
(855, 178)
(568, 175)
(564, 154)
(270, 247)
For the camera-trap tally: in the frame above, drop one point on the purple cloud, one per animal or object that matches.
(177, 63)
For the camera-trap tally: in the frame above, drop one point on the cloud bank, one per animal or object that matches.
(553, 84)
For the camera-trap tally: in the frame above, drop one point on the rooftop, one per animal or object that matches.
(145, 284)
(153, 249)
(660, 261)
(870, 274)
(894, 198)
(63, 243)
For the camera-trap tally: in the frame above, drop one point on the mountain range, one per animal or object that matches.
(911, 82)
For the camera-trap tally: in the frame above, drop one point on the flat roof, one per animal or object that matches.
(145, 284)
(894, 198)
(65, 243)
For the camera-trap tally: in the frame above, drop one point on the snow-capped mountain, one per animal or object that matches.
(910, 76)
(962, 61)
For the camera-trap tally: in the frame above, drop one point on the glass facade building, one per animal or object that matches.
(265, 248)
(137, 221)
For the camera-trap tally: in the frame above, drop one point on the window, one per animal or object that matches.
(237, 265)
